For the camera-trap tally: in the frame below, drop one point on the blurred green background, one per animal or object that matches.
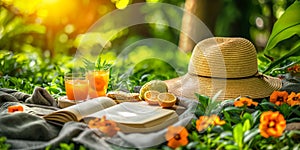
(39, 38)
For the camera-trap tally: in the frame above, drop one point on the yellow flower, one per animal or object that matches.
(244, 101)
(107, 127)
(177, 136)
(203, 122)
(271, 124)
(217, 120)
(293, 99)
(279, 97)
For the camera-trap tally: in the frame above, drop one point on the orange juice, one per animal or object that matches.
(77, 89)
(98, 81)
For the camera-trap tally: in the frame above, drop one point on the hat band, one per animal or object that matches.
(256, 75)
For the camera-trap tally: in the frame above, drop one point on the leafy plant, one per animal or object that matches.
(98, 65)
(66, 146)
(207, 105)
(3, 144)
(285, 36)
(291, 114)
(241, 130)
(23, 72)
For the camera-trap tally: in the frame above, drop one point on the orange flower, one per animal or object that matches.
(14, 108)
(279, 97)
(293, 99)
(177, 136)
(294, 69)
(203, 122)
(217, 120)
(244, 101)
(108, 127)
(272, 124)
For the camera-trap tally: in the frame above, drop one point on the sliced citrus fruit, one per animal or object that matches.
(156, 85)
(151, 97)
(166, 99)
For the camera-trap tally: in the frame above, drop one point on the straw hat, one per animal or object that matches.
(223, 64)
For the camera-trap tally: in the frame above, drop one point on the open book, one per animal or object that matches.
(129, 116)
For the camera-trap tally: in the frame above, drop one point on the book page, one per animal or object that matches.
(133, 117)
(156, 125)
(133, 113)
(78, 111)
(90, 106)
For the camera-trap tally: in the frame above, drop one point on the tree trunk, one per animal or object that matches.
(207, 11)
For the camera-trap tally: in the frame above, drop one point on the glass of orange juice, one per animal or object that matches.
(77, 86)
(98, 83)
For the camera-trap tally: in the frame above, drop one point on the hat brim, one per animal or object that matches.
(255, 87)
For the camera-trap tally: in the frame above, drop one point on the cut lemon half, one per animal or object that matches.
(151, 97)
(166, 99)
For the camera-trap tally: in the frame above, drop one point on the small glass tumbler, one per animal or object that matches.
(77, 86)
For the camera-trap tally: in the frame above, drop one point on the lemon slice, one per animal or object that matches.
(166, 99)
(151, 97)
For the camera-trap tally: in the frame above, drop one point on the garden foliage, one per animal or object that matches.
(284, 41)
(241, 130)
(28, 66)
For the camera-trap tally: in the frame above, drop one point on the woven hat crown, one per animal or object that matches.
(224, 58)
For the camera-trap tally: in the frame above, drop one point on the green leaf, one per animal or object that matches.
(233, 109)
(213, 107)
(3, 144)
(215, 97)
(267, 105)
(194, 136)
(256, 117)
(65, 146)
(89, 65)
(82, 147)
(204, 100)
(249, 117)
(102, 65)
(31, 28)
(294, 133)
(295, 110)
(293, 51)
(250, 135)
(238, 135)
(285, 109)
(246, 125)
(226, 134)
(192, 145)
(286, 26)
(231, 147)
(227, 117)
(293, 120)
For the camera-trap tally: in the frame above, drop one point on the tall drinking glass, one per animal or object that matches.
(98, 81)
